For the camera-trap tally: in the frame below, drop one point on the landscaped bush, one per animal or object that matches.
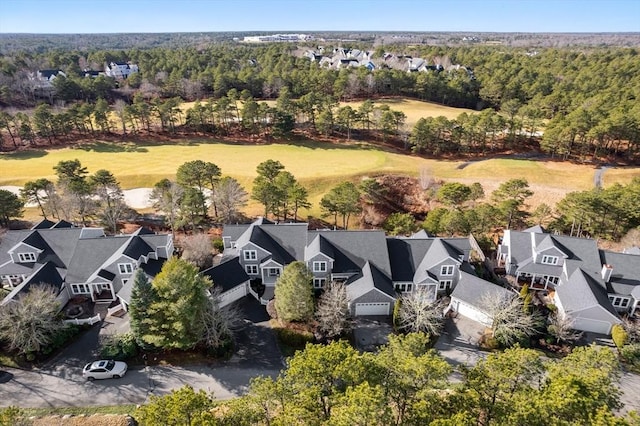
(222, 351)
(619, 335)
(293, 339)
(119, 347)
(631, 356)
(218, 245)
(396, 314)
(58, 340)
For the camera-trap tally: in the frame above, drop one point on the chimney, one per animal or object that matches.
(607, 270)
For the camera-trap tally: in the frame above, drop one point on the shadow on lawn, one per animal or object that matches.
(24, 155)
(111, 147)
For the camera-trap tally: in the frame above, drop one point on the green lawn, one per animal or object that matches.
(317, 165)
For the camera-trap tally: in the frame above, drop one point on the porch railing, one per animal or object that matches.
(111, 311)
(89, 321)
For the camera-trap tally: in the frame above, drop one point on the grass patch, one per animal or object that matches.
(75, 411)
(317, 165)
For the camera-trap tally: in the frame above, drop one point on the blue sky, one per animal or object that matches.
(118, 16)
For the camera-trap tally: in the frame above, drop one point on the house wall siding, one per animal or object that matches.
(373, 296)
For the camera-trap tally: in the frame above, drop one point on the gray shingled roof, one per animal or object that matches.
(626, 271)
(44, 274)
(91, 254)
(137, 247)
(62, 241)
(582, 292)
(319, 245)
(371, 278)
(358, 247)
(227, 275)
(473, 290)
(43, 224)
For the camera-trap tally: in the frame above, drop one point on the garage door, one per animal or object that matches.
(232, 295)
(591, 325)
(471, 312)
(372, 309)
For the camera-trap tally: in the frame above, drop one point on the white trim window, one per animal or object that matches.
(80, 289)
(447, 270)
(404, 287)
(125, 268)
(273, 272)
(550, 260)
(444, 284)
(619, 302)
(125, 281)
(319, 282)
(249, 254)
(27, 257)
(319, 266)
(251, 269)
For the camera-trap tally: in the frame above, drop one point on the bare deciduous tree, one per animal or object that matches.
(631, 239)
(166, 197)
(511, 323)
(229, 198)
(198, 249)
(633, 330)
(30, 322)
(419, 312)
(219, 322)
(426, 178)
(561, 327)
(332, 312)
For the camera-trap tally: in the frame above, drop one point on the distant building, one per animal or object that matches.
(120, 70)
(43, 79)
(278, 38)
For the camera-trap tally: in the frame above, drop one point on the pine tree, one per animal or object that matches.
(142, 296)
(294, 293)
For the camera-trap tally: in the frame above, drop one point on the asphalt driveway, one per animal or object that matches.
(59, 382)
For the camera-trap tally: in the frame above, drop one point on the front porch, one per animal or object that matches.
(533, 281)
(80, 308)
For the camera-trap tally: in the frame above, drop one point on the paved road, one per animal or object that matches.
(458, 344)
(60, 384)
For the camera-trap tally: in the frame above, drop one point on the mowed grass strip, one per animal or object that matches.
(318, 166)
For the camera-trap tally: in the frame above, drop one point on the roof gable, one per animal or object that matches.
(582, 292)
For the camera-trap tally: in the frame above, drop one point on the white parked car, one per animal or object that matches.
(104, 369)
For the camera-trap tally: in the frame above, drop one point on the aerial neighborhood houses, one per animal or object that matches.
(275, 38)
(43, 79)
(375, 268)
(79, 261)
(352, 58)
(120, 70)
(592, 287)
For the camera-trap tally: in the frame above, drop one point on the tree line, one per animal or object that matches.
(585, 98)
(406, 383)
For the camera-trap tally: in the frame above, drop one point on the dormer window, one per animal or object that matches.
(27, 257)
(550, 260)
(446, 270)
(125, 268)
(319, 266)
(250, 254)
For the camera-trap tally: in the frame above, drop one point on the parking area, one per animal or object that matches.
(369, 333)
(458, 343)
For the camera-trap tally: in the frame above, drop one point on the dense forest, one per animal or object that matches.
(582, 101)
